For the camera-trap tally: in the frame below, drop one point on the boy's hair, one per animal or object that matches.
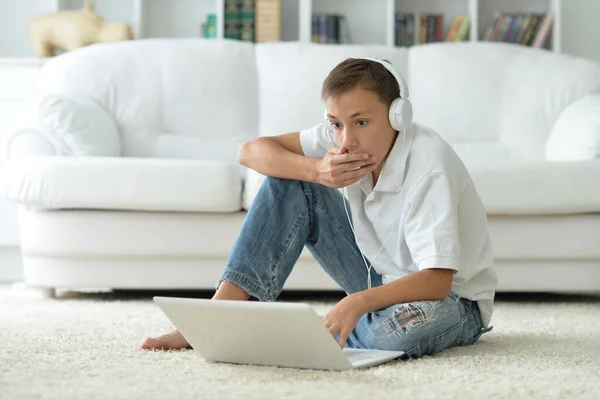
(355, 73)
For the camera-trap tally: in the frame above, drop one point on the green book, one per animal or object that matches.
(247, 20)
(232, 23)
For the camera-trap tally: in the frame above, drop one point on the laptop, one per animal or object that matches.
(264, 333)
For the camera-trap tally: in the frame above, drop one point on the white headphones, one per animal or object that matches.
(401, 110)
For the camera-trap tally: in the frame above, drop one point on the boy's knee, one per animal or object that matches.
(279, 183)
(299, 187)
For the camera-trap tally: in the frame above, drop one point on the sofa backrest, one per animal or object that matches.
(202, 99)
(170, 98)
(490, 101)
(495, 100)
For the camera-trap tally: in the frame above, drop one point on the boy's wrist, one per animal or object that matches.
(311, 175)
(362, 299)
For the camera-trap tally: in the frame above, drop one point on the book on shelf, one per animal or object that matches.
(459, 31)
(406, 28)
(247, 20)
(330, 28)
(268, 20)
(411, 29)
(528, 29)
(232, 24)
(252, 20)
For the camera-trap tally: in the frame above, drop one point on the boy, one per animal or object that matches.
(417, 221)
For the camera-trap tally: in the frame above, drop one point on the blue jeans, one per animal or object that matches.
(287, 215)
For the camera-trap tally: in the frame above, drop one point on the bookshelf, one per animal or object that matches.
(374, 22)
(369, 21)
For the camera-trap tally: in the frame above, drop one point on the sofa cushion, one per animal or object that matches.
(166, 94)
(73, 126)
(576, 133)
(539, 188)
(123, 184)
(489, 92)
(518, 188)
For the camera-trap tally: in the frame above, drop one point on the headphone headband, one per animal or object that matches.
(399, 78)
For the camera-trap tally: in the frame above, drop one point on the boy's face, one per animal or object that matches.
(361, 123)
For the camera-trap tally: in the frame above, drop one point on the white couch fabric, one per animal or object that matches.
(161, 185)
(518, 187)
(71, 126)
(504, 93)
(181, 98)
(209, 97)
(539, 188)
(576, 133)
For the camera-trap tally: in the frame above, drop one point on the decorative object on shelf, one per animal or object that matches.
(209, 28)
(69, 30)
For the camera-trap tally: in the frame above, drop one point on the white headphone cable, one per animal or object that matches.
(369, 266)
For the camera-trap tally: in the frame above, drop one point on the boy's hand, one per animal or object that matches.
(342, 318)
(339, 169)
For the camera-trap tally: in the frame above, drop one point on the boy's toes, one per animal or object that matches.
(173, 340)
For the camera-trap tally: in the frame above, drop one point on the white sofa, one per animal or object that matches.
(124, 164)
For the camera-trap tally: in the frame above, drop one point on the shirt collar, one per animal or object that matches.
(392, 174)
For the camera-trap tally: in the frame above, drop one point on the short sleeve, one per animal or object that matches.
(317, 141)
(431, 227)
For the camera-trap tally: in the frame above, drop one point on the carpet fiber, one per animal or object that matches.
(86, 346)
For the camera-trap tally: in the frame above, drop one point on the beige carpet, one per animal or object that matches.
(86, 346)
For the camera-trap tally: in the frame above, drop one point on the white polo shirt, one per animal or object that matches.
(440, 219)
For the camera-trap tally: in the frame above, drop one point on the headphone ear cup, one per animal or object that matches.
(400, 114)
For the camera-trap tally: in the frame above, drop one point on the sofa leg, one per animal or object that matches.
(41, 292)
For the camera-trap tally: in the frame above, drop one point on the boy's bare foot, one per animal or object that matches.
(172, 340)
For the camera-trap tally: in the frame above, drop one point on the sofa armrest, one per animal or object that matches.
(64, 126)
(576, 133)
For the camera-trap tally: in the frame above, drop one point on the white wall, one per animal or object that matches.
(356, 13)
(176, 18)
(14, 15)
(580, 28)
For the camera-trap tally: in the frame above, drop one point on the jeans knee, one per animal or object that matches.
(308, 188)
(280, 186)
(277, 181)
